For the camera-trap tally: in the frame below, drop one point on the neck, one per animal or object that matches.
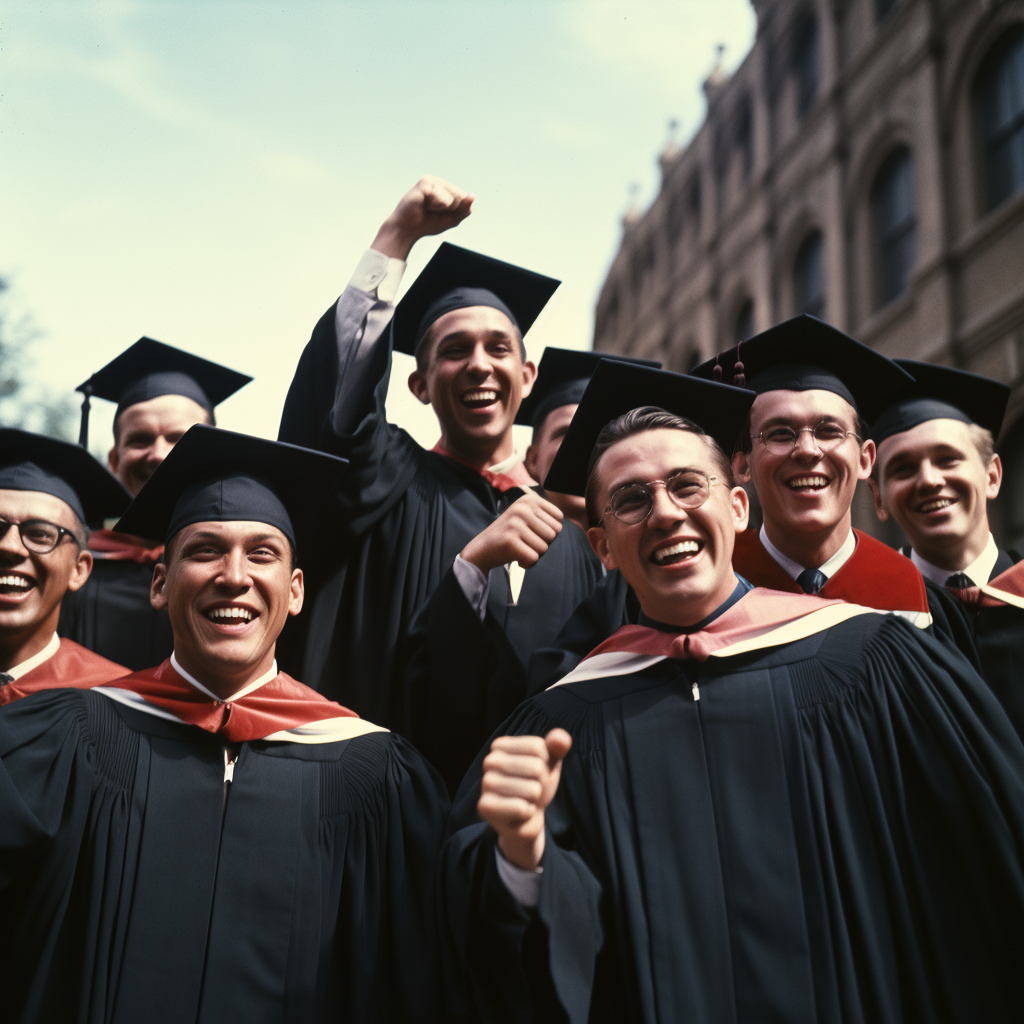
(16, 648)
(684, 614)
(479, 453)
(958, 553)
(810, 550)
(223, 678)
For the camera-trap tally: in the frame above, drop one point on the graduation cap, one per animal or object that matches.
(942, 393)
(456, 278)
(562, 377)
(615, 388)
(150, 369)
(32, 462)
(805, 354)
(214, 475)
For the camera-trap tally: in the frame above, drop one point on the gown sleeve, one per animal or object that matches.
(504, 962)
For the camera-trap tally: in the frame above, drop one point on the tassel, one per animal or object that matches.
(83, 432)
(739, 378)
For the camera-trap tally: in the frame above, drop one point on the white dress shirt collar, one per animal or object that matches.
(979, 570)
(248, 688)
(830, 568)
(37, 659)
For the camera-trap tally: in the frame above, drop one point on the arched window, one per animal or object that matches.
(895, 222)
(806, 62)
(744, 322)
(999, 108)
(809, 276)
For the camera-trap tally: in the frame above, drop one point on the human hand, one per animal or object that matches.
(431, 206)
(522, 533)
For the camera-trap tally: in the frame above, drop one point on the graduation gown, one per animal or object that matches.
(137, 885)
(388, 533)
(831, 831)
(71, 665)
(111, 614)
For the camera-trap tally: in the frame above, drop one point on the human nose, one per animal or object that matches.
(929, 476)
(235, 571)
(806, 445)
(11, 542)
(479, 360)
(664, 510)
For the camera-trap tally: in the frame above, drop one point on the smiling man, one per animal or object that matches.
(805, 450)
(160, 392)
(49, 491)
(751, 806)
(401, 516)
(936, 472)
(209, 840)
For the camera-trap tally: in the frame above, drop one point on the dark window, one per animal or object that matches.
(883, 7)
(806, 64)
(809, 276)
(744, 322)
(892, 205)
(745, 136)
(676, 218)
(999, 103)
(695, 201)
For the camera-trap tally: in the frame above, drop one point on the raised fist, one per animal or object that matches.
(431, 206)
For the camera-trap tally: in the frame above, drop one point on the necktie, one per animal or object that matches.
(812, 580)
(6, 677)
(959, 581)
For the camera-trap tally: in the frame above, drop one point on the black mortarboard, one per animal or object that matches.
(456, 278)
(615, 388)
(562, 377)
(32, 462)
(942, 393)
(214, 475)
(805, 354)
(150, 369)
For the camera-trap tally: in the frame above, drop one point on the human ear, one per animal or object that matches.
(297, 592)
(81, 570)
(598, 538)
(876, 494)
(995, 477)
(158, 588)
(867, 460)
(530, 463)
(113, 459)
(418, 386)
(529, 376)
(741, 467)
(739, 502)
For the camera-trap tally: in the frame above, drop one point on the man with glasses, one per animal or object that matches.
(805, 449)
(49, 491)
(750, 806)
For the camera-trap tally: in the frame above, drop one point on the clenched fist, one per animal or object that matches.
(431, 206)
(520, 779)
(522, 533)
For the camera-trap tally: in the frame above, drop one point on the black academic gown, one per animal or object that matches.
(133, 888)
(111, 615)
(832, 832)
(384, 539)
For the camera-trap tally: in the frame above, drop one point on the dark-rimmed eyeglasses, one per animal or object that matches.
(781, 440)
(687, 489)
(37, 535)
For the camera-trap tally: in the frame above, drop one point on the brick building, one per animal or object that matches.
(864, 163)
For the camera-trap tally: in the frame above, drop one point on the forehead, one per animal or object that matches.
(801, 407)
(35, 505)
(163, 413)
(239, 532)
(920, 441)
(480, 321)
(557, 419)
(651, 456)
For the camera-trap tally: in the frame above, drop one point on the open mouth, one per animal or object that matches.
(231, 615)
(808, 484)
(15, 585)
(936, 505)
(481, 398)
(681, 551)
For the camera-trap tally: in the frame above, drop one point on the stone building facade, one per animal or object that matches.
(864, 163)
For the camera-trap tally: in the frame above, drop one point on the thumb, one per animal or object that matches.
(558, 743)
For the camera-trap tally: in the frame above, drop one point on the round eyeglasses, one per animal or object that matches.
(688, 489)
(781, 440)
(37, 535)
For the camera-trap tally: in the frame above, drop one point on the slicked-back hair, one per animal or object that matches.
(639, 421)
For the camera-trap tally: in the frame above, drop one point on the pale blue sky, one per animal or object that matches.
(208, 173)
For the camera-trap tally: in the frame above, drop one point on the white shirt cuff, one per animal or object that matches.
(380, 273)
(523, 884)
(475, 585)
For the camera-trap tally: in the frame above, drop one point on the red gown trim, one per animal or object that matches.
(500, 481)
(119, 547)
(874, 576)
(71, 666)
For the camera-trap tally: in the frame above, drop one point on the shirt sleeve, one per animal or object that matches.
(361, 319)
(523, 884)
(473, 583)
